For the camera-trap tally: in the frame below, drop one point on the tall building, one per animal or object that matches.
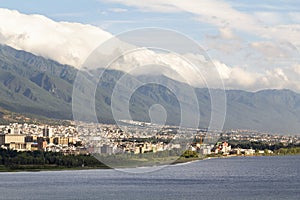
(47, 131)
(42, 143)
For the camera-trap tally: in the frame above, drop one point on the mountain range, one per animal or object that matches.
(31, 84)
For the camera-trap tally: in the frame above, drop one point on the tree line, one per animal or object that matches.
(260, 145)
(12, 159)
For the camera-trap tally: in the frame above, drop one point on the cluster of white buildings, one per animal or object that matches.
(132, 137)
(136, 138)
(254, 136)
(31, 137)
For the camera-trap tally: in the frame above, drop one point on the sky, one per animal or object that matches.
(253, 45)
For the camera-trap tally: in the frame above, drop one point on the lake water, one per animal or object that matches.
(230, 178)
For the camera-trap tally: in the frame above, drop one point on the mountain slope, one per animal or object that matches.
(269, 110)
(35, 85)
(32, 84)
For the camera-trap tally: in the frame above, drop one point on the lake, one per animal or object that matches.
(228, 178)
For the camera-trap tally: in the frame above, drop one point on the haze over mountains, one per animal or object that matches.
(33, 84)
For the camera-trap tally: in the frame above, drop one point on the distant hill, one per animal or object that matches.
(268, 110)
(32, 84)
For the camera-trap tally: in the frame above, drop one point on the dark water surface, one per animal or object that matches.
(230, 178)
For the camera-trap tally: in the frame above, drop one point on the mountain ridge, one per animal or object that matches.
(36, 85)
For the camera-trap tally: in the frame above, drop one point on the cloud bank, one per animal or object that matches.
(254, 49)
(221, 14)
(255, 65)
(67, 43)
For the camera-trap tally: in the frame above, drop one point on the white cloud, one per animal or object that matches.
(269, 18)
(147, 62)
(294, 17)
(216, 12)
(277, 78)
(208, 74)
(71, 43)
(276, 50)
(118, 10)
(233, 76)
(256, 65)
(278, 73)
(149, 5)
(296, 69)
(67, 43)
(221, 14)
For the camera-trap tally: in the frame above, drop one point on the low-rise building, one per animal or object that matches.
(13, 141)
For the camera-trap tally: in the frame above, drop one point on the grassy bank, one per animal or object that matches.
(37, 168)
(12, 161)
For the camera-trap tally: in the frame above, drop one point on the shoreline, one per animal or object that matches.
(180, 161)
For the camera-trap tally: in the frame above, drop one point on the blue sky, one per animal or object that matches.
(113, 17)
(254, 45)
(116, 17)
(83, 11)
